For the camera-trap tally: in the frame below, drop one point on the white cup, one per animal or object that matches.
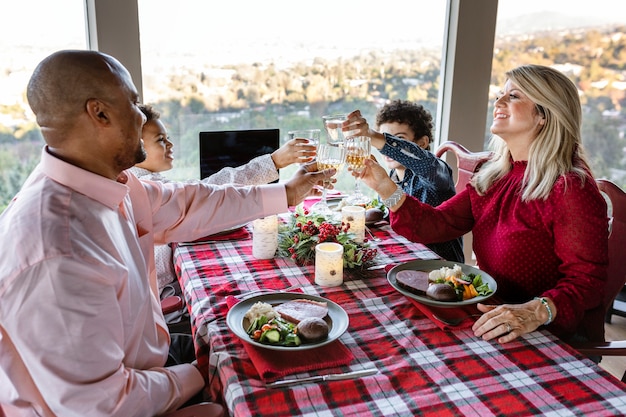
(265, 237)
(329, 264)
(355, 216)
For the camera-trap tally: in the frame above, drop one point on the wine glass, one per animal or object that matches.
(358, 149)
(312, 135)
(332, 124)
(328, 156)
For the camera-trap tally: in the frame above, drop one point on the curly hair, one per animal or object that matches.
(149, 111)
(419, 120)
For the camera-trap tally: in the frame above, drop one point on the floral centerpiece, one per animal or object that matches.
(298, 238)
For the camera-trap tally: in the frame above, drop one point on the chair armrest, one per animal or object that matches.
(616, 348)
(171, 303)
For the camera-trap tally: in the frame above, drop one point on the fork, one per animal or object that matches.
(372, 237)
(262, 290)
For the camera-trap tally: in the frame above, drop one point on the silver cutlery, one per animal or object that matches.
(372, 237)
(321, 378)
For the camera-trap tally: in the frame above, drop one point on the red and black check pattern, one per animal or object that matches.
(423, 370)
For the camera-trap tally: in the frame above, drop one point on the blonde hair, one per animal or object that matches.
(557, 149)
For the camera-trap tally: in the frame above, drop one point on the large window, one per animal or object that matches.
(587, 41)
(248, 64)
(31, 30)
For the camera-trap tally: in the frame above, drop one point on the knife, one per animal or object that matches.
(319, 378)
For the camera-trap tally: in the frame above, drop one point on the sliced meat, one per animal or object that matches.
(413, 281)
(299, 309)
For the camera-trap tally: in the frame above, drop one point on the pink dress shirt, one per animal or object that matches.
(260, 170)
(81, 329)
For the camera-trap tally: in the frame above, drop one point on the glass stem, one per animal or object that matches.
(323, 199)
(357, 186)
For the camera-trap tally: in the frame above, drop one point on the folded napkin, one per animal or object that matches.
(237, 234)
(464, 315)
(272, 364)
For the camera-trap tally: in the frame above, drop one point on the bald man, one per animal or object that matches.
(81, 329)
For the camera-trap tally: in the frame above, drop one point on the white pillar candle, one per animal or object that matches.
(265, 237)
(355, 216)
(329, 264)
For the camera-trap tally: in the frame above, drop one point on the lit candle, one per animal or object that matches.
(265, 237)
(329, 264)
(355, 216)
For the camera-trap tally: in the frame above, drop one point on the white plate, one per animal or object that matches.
(337, 319)
(430, 265)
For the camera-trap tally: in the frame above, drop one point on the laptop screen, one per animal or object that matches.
(232, 148)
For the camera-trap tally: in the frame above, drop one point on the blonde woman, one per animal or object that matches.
(538, 219)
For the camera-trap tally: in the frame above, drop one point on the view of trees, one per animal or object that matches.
(262, 96)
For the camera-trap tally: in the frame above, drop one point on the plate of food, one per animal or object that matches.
(440, 283)
(287, 321)
(375, 211)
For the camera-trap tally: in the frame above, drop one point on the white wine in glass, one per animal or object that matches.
(358, 149)
(328, 156)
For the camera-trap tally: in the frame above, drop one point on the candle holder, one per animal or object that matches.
(329, 264)
(355, 217)
(265, 237)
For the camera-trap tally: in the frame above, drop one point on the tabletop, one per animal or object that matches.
(422, 368)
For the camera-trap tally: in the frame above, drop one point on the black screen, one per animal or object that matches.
(232, 148)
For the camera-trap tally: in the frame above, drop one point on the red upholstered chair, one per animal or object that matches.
(199, 410)
(467, 163)
(171, 304)
(616, 270)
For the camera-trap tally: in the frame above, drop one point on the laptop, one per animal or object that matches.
(232, 148)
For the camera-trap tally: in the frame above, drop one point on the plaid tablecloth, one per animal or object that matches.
(423, 370)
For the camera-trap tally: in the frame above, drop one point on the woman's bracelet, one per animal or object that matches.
(547, 306)
(393, 199)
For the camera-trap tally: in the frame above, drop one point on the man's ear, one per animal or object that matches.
(97, 111)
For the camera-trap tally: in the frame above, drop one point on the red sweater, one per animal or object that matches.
(556, 248)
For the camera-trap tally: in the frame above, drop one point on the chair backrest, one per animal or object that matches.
(467, 162)
(617, 240)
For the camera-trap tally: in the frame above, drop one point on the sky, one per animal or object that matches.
(185, 32)
(194, 21)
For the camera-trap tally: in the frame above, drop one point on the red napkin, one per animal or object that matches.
(464, 314)
(271, 364)
(309, 201)
(241, 233)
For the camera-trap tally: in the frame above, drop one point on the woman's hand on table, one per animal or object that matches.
(509, 321)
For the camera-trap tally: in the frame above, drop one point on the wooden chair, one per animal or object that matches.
(467, 164)
(616, 270)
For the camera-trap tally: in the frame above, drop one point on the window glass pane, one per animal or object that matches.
(32, 30)
(587, 41)
(248, 64)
